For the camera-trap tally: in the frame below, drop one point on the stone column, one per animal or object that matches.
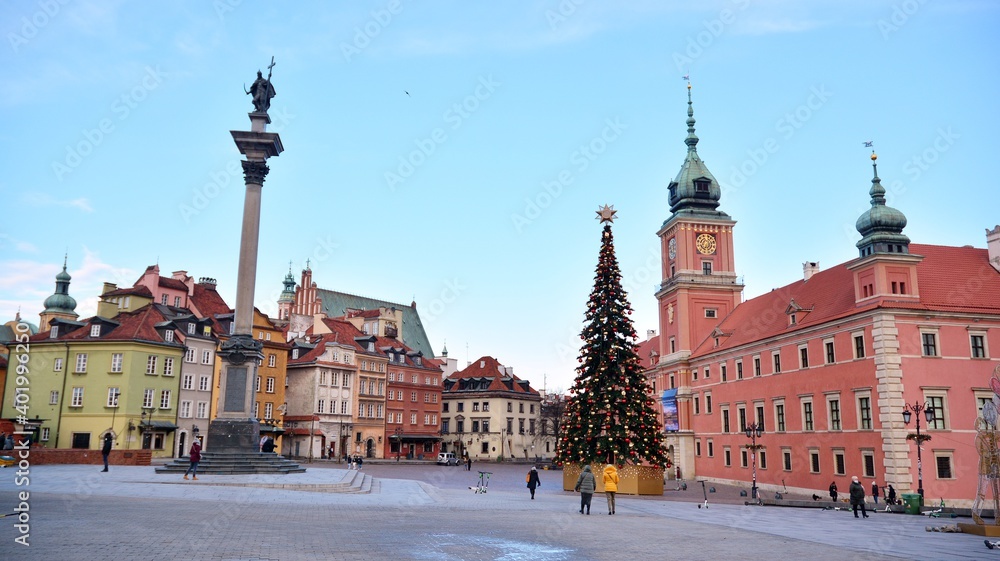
(236, 429)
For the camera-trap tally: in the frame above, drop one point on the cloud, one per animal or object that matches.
(44, 199)
(7, 241)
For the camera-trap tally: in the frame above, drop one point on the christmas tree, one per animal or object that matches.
(610, 416)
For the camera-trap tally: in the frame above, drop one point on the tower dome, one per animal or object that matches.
(60, 302)
(881, 226)
(695, 190)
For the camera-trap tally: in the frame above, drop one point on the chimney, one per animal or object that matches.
(993, 246)
(179, 275)
(108, 287)
(650, 333)
(809, 268)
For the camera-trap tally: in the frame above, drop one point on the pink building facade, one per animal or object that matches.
(827, 364)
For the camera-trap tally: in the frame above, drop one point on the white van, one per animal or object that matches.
(447, 459)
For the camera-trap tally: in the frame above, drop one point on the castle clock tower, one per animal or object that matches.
(699, 285)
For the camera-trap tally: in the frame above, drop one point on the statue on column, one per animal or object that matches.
(262, 90)
(988, 446)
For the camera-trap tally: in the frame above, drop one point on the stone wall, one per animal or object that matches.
(42, 456)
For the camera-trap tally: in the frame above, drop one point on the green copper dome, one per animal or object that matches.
(61, 301)
(881, 226)
(694, 190)
(288, 292)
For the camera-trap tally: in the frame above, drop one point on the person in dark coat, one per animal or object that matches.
(195, 456)
(890, 496)
(875, 491)
(268, 446)
(106, 450)
(857, 497)
(833, 491)
(533, 481)
(586, 485)
(468, 463)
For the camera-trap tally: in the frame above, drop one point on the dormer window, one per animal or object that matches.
(792, 319)
(371, 346)
(190, 328)
(701, 186)
(672, 188)
(95, 330)
(54, 333)
(295, 354)
(168, 336)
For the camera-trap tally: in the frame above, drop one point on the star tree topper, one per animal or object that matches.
(606, 214)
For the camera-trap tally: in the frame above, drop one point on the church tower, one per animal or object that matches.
(699, 285)
(287, 298)
(60, 305)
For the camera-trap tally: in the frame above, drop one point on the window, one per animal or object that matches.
(937, 403)
(708, 372)
(706, 267)
(177, 301)
(168, 336)
(711, 313)
(708, 403)
(727, 456)
(725, 420)
(828, 347)
(697, 447)
(868, 463)
(151, 364)
(185, 411)
(413, 421)
(779, 416)
(807, 415)
(760, 416)
(54, 397)
(256, 409)
(57, 365)
(202, 410)
(711, 448)
(203, 383)
(147, 398)
(834, 410)
(777, 362)
(929, 343)
(839, 466)
(269, 388)
(257, 385)
(461, 407)
(190, 328)
(859, 346)
(742, 412)
(116, 362)
(762, 459)
(865, 413)
(744, 458)
(697, 403)
(510, 426)
(77, 399)
(413, 398)
(942, 460)
(45, 434)
(168, 366)
(271, 361)
(187, 382)
(804, 356)
(163, 299)
(81, 363)
(813, 461)
(427, 399)
(321, 406)
(486, 404)
(206, 357)
(95, 330)
(722, 372)
(786, 460)
(189, 355)
(739, 370)
(113, 395)
(756, 366)
(165, 399)
(978, 343)
(295, 354)
(444, 407)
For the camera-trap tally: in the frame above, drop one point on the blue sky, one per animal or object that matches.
(474, 194)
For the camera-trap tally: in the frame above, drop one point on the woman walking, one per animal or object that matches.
(195, 456)
(586, 484)
(610, 486)
(533, 481)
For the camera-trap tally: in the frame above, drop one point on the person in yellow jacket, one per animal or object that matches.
(610, 486)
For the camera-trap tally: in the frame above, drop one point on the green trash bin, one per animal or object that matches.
(911, 503)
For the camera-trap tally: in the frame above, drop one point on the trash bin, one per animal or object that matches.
(911, 503)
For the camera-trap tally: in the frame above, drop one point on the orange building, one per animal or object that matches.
(827, 365)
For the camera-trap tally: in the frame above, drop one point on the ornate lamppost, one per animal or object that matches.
(754, 432)
(908, 412)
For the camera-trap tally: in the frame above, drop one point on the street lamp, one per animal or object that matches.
(754, 432)
(908, 412)
(345, 433)
(398, 435)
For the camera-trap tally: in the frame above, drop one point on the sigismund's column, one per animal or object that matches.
(235, 429)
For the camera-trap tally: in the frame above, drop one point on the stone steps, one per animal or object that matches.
(234, 464)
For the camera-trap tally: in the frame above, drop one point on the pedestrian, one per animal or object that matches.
(361, 461)
(857, 497)
(890, 497)
(9, 443)
(263, 439)
(833, 491)
(533, 481)
(106, 450)
(610, 486)
(468, 463)
(586, 485)
(268, 447)
(195, 457)
(875, 490)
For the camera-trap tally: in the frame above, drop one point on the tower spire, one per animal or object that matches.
(692, 139)
(695, 191)
(881, 226)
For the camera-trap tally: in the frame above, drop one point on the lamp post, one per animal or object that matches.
(144, 426)
(754, 432)
(908, 412)
(398, 435)
(345, 433)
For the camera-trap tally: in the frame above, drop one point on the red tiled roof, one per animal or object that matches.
(489, 367)
(643, 349)
(132, 326)
(172, 283)
(206, 301)
(955, 279)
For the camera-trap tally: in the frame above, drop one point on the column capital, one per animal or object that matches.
(254, 172)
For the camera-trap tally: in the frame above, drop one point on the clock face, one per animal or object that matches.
(672, 248)
(705, 244)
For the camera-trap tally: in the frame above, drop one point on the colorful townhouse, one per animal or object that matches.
(826, 377)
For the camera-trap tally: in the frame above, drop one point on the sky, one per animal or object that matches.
(454, 154)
